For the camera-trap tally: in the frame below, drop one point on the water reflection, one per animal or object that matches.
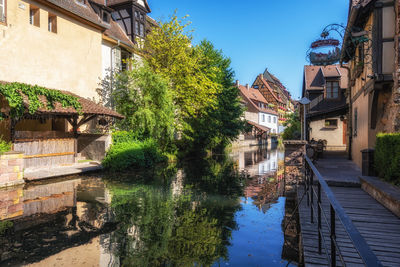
(200, 213)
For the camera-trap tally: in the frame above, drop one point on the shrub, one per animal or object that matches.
(128, 154)
(4, 146)
(387, 157)
(123, 137)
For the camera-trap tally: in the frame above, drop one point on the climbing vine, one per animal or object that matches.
(14, 94)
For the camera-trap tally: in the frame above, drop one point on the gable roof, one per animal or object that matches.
(314, 76)
(266, 85)
(252, 95)
(84, 12)
(272, 78)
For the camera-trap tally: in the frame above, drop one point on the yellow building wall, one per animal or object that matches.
(365, 137)
(334, 137)
(67, 60)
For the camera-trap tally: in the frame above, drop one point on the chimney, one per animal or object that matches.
(237, 83)
(248, 86)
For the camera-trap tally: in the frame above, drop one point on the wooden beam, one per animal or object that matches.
(49, 155)
(76, 135)
(86, 119)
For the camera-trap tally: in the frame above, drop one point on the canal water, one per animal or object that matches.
(225, 211)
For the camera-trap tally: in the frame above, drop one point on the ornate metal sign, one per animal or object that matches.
(326, 50)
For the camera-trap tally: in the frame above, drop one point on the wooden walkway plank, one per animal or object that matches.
(379, 227)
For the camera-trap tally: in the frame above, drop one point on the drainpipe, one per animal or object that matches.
(350, 113)
(112, 73)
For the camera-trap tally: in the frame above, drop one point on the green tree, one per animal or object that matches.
(145, 99)
(171, 54)
(222, 123)
(293, 127)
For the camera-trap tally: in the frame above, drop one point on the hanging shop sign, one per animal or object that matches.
(326, 50)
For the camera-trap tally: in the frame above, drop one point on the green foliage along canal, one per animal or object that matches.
(212, 212)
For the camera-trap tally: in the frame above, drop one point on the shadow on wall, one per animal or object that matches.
(94, 146)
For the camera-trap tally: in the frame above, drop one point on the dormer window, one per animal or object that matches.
(106, 16)
(332, 90)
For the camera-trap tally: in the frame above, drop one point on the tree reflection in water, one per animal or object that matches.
(187, 223)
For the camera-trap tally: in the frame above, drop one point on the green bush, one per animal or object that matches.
(387, 157)
(127, 154)
(123, 137)
(4, 146)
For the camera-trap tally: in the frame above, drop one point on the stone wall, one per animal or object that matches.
(294, 162)
(12, 202)
(11, 169)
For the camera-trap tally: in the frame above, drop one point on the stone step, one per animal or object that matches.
(386, 194)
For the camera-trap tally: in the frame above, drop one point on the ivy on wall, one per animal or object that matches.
(14, 94)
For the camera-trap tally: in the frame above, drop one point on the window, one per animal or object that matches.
(274, 119)
(125, 60)
(141, 29)
(139, 23)
(106, 17)
(332, 90)
(2, 10)
(331, 123)
(269, 119)
(263, 117)
(52, 26)
(34, 16)
(355, 128)
(255, 86)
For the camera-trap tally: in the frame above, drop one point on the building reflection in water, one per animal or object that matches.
(65, 222)
(265, 171)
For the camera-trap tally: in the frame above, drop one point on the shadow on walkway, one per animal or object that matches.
(338, 170)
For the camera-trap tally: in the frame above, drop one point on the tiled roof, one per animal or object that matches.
(314, 76)
(116, 32)
(252, 95)
(260, 127)
(88, 107)
(327, 106)
(84, 11)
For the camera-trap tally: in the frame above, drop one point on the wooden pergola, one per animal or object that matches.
(90, 110)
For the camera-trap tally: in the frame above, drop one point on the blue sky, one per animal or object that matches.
(258, 34)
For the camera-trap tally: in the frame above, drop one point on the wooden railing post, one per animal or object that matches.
(312, 196)
(308, 185)
(333, 237)
(319, 220)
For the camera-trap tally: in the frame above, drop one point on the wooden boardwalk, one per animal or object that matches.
(379, 227)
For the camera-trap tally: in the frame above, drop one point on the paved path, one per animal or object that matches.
(72, 169)
(379, 227)
(338, 170)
